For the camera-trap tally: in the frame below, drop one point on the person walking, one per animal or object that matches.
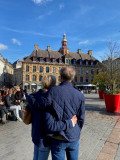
(65, 101)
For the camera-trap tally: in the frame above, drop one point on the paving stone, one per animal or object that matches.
(16, 144)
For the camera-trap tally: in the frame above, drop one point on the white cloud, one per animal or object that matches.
(61, 6)
(40, 1)
(15, 41)
(3, 47)
(83, 42)
(44, 15)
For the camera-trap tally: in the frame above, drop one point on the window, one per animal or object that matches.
(47, 69)
(86, 62)
(74, 61)
(27, 68)
(47, 59)
(92, 63)
(80, 62)
(53, 60)
(67, 61)
(41, 69)
(53, 70)
(75, 79)
(41, 59)
(40, 78)
(27, 77)
(81, 70)
(34, 68)
(87, 71)
(92, 72)
(86, 79)
(91, 79)
(34, 58)
(81, 79)
(34, 78)
(76, 70)
(59, 69)
(60, 60)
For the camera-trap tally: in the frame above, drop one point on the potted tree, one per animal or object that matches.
(111, 67)
(100, 81)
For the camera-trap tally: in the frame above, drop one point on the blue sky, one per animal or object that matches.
(88, 24)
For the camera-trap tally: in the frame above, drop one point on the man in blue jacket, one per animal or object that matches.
(65, 101)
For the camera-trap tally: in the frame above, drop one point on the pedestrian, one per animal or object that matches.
(41, 142)
(65, 101)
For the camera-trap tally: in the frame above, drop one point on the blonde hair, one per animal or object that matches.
(67, 73)
(48, 81)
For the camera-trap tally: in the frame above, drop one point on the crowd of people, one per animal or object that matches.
(10, 100)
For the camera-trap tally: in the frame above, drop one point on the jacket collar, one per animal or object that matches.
(66, 83)
(42, 91)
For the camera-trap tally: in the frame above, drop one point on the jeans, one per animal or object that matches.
(16, 108)
(2, 111)
(59, 148)
(41, 153)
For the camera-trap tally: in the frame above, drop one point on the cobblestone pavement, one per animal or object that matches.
(99, 140)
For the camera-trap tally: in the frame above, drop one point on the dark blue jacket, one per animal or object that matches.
(65, 101)
(38, 128)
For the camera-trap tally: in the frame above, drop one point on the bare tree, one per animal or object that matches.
(112, 66)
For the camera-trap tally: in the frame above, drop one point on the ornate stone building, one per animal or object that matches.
(41, 62)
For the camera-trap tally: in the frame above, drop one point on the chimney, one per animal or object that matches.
(36, 47)
(48, 48)
(79, 51)
(90, 52)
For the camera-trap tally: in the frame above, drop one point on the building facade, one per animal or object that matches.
(41, 62)
(6, 72)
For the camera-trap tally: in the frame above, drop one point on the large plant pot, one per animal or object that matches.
(112, 103)
(101, 94)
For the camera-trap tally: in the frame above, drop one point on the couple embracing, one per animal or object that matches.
(57, 117)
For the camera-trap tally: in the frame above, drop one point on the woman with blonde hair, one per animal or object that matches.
(39, 138)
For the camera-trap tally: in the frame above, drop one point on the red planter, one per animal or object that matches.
(112, 103)
(101, 94)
